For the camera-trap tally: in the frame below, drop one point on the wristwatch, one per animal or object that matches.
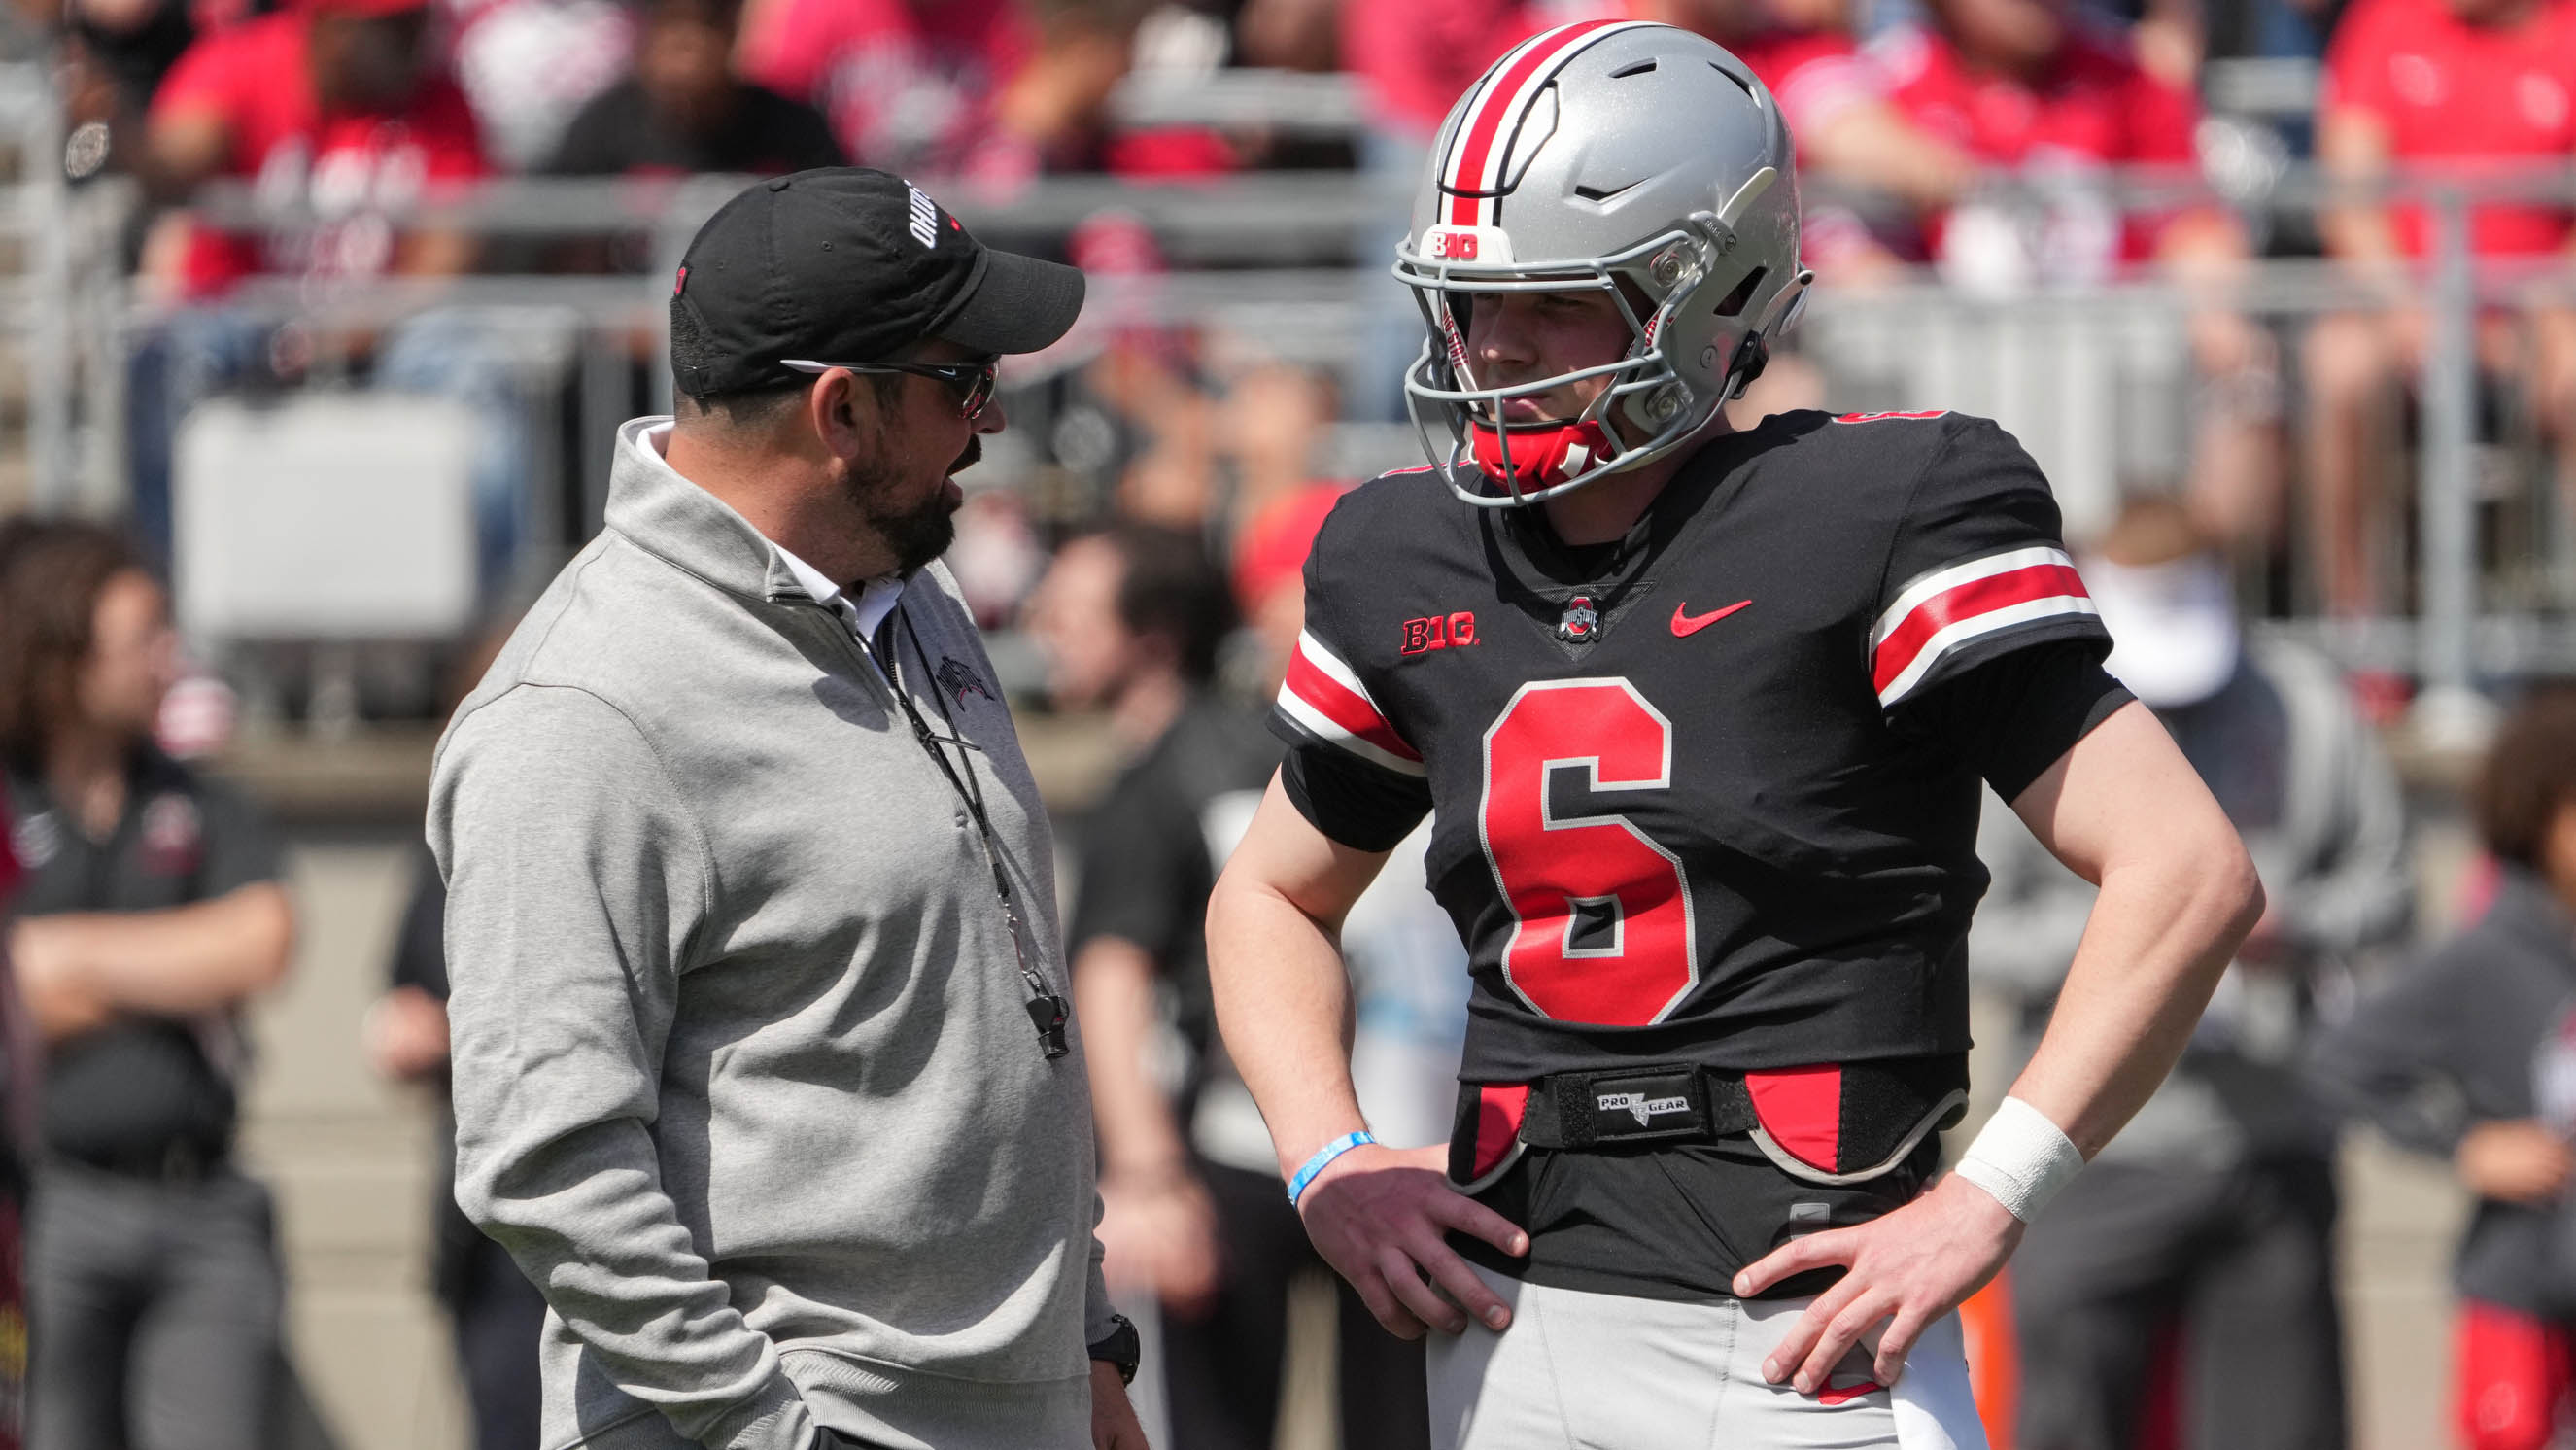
(1121, 1347)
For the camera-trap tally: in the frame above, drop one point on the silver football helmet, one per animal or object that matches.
(1628, 157)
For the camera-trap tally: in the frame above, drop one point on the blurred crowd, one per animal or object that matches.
(1999, 148)
(1148, 560)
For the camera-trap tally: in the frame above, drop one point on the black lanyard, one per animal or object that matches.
(1046, 1008)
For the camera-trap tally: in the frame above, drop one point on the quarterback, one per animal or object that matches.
(1701, 719)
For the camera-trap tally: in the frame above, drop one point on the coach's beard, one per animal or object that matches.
(916, 535)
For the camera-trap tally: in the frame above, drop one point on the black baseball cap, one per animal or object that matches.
(849, 265)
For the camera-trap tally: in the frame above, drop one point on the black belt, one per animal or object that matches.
(179, 1160)
(1636, 1105)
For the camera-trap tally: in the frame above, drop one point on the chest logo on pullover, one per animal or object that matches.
(958, 680)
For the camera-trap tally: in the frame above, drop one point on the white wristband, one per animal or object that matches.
(2021, 1158)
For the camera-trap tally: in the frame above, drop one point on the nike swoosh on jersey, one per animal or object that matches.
(1686, 624)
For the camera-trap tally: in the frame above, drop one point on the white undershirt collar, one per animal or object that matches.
(875, 600)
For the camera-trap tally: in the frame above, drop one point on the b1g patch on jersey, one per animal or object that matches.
(1440, 631)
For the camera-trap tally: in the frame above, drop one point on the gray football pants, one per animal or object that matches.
(1610, 1372)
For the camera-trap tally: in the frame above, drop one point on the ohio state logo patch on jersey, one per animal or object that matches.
(1581, 623)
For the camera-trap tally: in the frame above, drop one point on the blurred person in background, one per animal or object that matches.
(152, 913)
(2463, 86)
(992, 92)
(343, 113)
(1133, 620)
(19, 1069)
(2206, 1228)
(495, 1314)
(683, 110)
(2040, 91)
(113, 55)
(493, 1311)
(2470, 1055)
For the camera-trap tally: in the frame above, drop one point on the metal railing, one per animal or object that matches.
(1276, 262)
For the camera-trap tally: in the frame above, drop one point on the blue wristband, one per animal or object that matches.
(1323, 1158)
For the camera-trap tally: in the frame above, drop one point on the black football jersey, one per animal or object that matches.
(1686, 808)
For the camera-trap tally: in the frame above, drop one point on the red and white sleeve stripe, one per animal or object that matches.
(1950, 608)
(1328, 702)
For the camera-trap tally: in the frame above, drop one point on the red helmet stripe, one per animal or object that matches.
(1474, 160)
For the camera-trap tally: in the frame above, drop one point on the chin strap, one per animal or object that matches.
(1542, 455)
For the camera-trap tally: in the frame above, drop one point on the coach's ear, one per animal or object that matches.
(836, 408)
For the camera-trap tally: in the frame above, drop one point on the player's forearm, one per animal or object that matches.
(2161, 933)
(1283, 1002)
(1113, 995)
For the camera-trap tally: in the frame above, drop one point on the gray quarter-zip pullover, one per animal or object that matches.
(744, 1077)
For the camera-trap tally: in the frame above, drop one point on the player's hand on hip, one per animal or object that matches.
(1906, 1270)
(1380, 1215)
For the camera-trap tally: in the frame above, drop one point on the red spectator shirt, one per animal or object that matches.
(2095, 108)
(1416, 60)
(908, 85)
(1812, 73)
(2450, 91)
(347, 166)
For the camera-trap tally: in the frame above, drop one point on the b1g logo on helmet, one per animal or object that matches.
(1466, 244)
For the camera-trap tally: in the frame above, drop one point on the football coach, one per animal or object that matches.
(762, 1067)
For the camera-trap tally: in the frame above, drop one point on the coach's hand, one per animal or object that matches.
(1907, 1269)
(1378, 1216)
(1113, 1419)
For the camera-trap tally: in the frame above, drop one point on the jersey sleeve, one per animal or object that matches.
(1977, 569)
(1350, 769)
(2012, 717)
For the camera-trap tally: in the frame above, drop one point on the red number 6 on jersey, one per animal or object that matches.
(1603, 913)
